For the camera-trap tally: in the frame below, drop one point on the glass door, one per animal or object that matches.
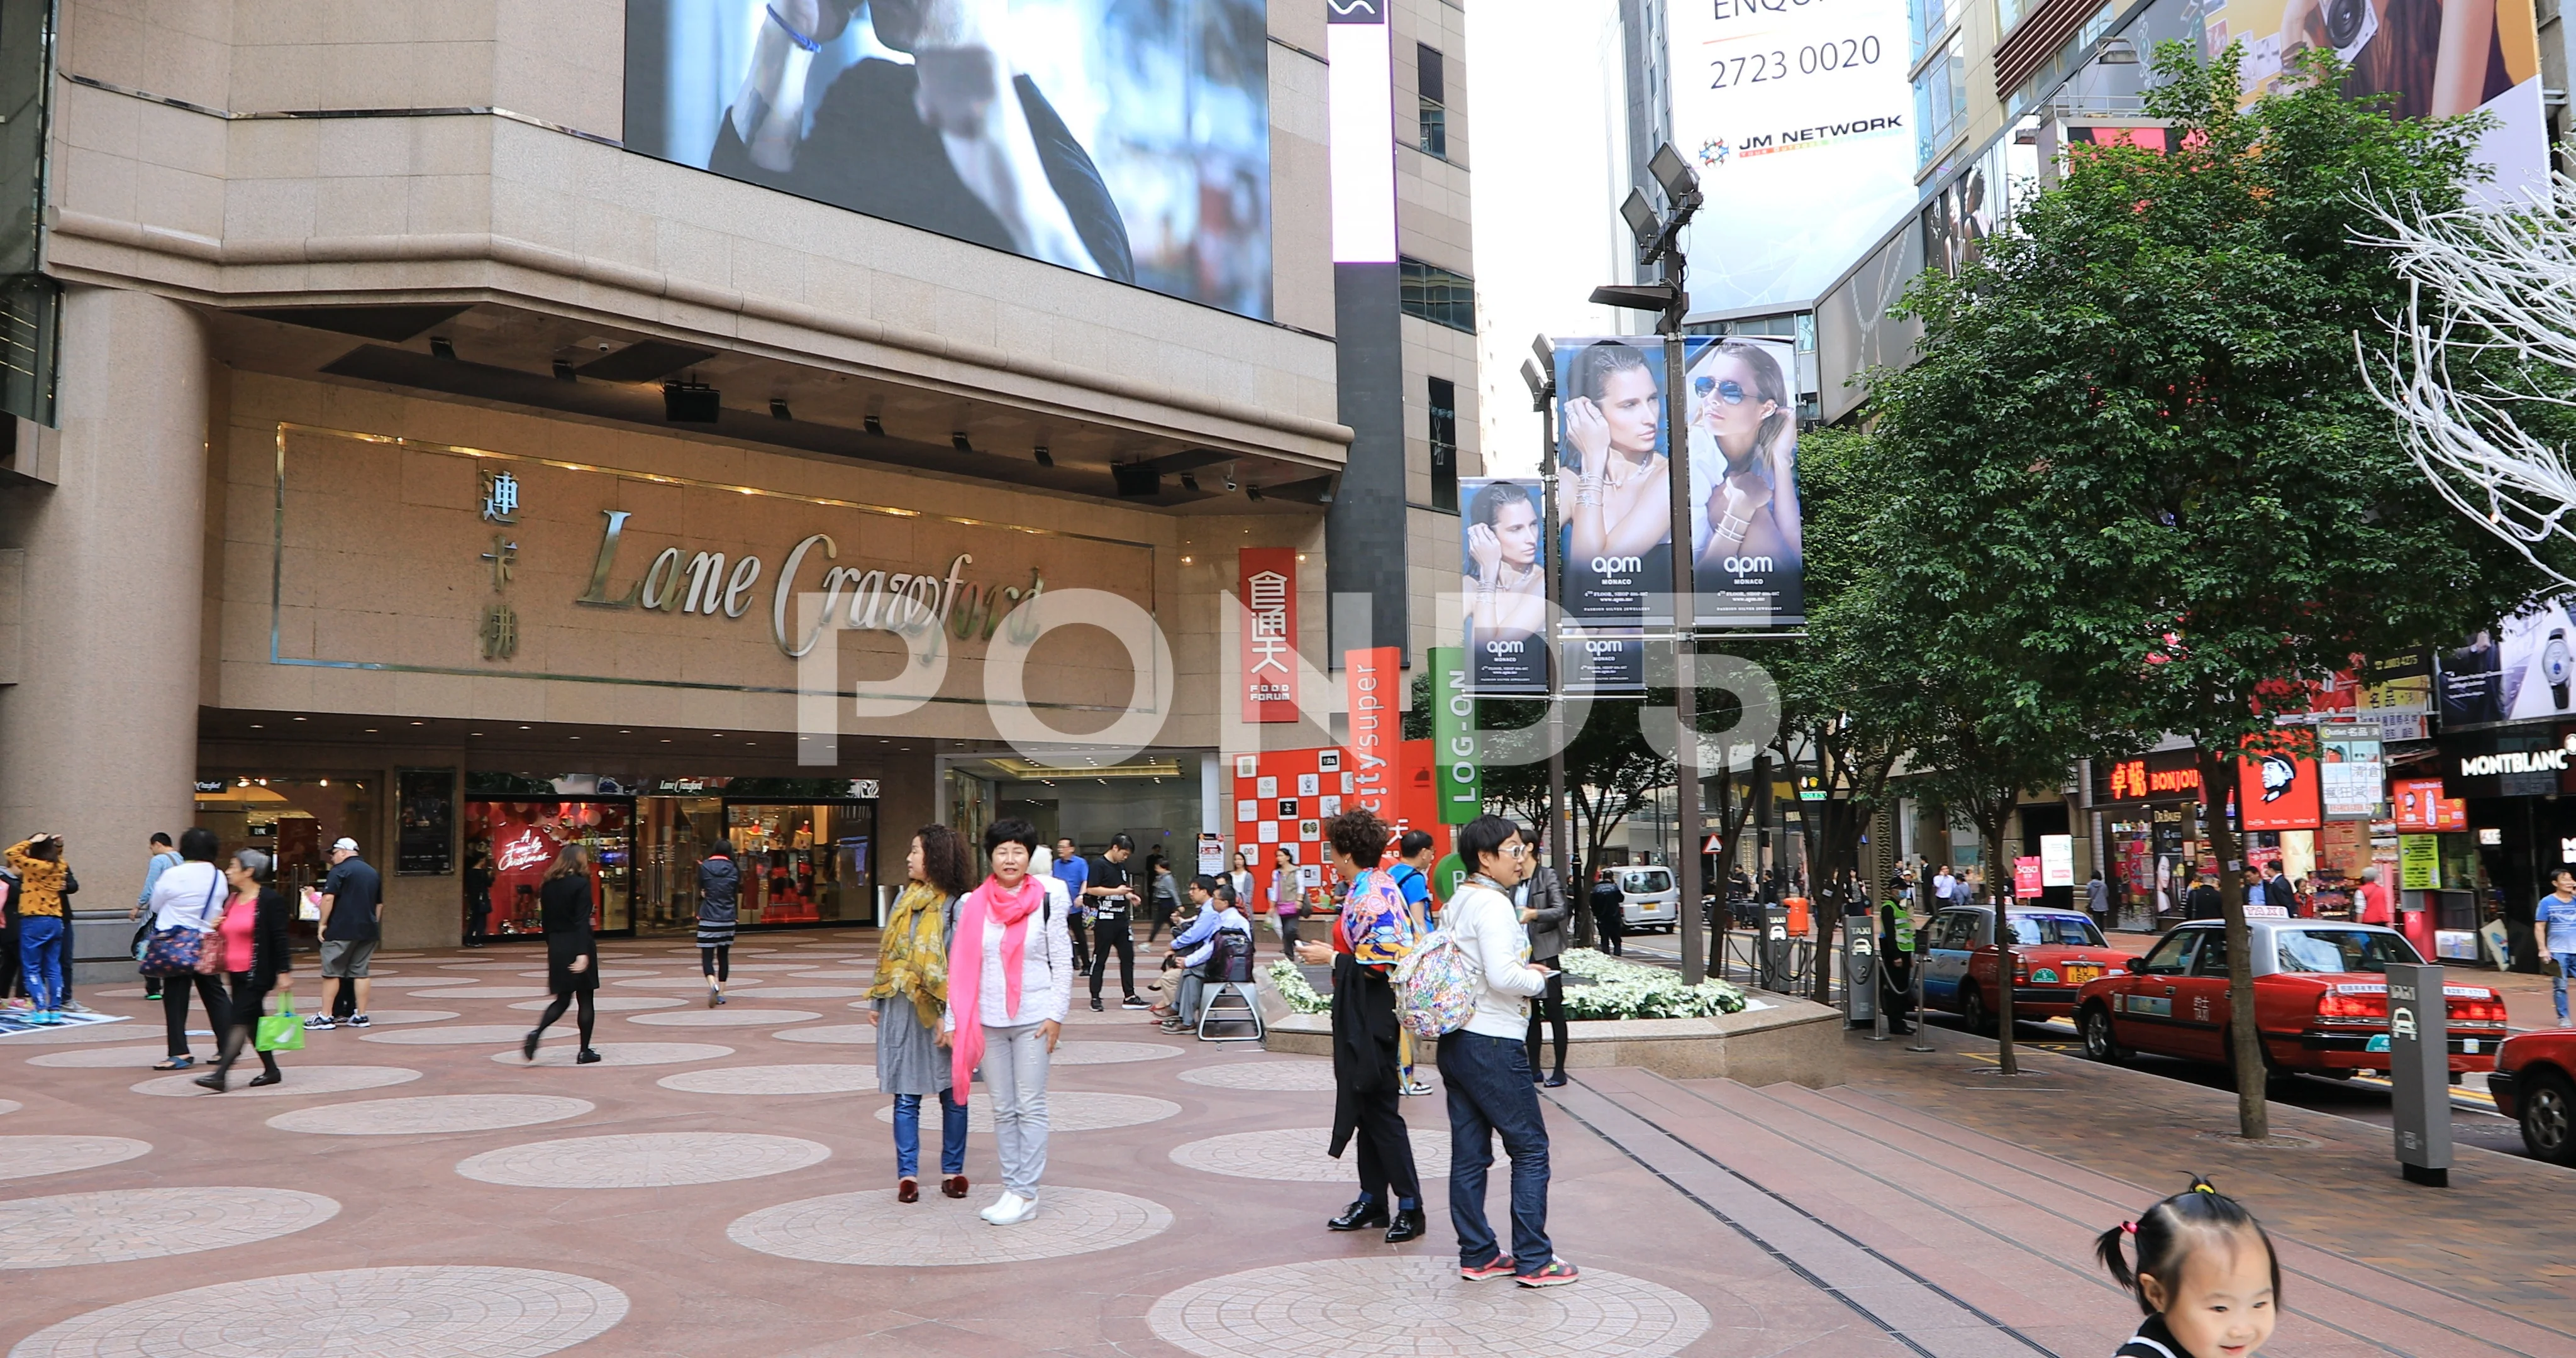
(804, 862)
(676, 834)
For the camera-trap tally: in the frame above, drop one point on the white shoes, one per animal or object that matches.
(1010, 1209)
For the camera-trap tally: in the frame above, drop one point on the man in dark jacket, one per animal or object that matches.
(1610, 913)
(2203, 901)
(1542, 902)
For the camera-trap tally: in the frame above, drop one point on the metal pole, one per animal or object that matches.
(1685, 617)
(1551, 569)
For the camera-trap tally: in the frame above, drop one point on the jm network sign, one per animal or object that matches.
(1799, 117)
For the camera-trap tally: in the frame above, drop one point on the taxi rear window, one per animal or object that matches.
(2060, 931)
(2342, 950)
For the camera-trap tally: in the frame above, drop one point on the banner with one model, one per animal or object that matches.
(1747, 533)
(1613, 484)
(1503, 565)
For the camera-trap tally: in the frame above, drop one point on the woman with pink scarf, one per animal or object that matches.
(1010, 979)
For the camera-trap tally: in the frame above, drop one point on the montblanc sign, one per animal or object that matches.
(2513, 761)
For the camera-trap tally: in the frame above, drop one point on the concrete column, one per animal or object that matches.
(98, 738)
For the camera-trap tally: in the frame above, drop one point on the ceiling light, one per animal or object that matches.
(440, 346)
(778, 408)
(371, 730)
(1045, 458)
(958, 441)
(420, 723)
(873, 425)
(563, 371)
(257, 727)
(1189, 481)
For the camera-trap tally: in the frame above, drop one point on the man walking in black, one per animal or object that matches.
(1112, 892)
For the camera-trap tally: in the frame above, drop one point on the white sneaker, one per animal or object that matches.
(1010, 1209)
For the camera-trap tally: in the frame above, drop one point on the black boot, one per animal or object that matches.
(1408, 1225)
(1363, 1213)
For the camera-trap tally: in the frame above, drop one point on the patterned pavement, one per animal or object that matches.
(729, 1194)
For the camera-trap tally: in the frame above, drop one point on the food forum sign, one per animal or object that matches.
(388, 554)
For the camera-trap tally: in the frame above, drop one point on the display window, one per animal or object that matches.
(804, 862)
(509, 844)
(295, 821)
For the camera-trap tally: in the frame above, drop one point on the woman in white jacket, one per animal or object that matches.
(191, 896)
(1485, 1066)
(1010, 979)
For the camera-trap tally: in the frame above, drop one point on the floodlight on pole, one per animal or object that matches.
(1680, 182)
(1642, 221)
(1544, 350)
(1540, 387)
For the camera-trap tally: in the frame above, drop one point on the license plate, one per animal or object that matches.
(2469, 1046)
(2377, 1044)
(2081, 974)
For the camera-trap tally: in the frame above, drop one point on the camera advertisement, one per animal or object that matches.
(1126, 141)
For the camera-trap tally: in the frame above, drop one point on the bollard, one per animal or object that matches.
(1860, 977)
(2419, 1072)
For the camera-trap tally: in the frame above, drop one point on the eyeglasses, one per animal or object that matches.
(1517, 850)
(1730, 391)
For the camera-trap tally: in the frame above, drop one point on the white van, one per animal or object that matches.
(1648, 899)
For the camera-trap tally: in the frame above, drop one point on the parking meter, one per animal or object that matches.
(1860, 971)
(1775, 947)
(2419, 1072)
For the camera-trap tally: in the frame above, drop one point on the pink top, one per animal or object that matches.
(241, 919)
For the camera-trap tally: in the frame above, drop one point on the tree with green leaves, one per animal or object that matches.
(2153, 490)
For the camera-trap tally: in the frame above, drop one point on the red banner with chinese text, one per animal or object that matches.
(1266, 591)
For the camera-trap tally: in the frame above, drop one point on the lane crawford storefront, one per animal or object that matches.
(467, 638)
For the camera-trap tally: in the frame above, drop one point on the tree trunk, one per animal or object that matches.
(1999, 887)
(2244, 1038)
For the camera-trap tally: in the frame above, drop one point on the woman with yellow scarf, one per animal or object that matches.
(911, 992)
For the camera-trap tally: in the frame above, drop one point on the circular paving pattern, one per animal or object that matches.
(1110, 1053)
(1127, 1018)
(380, 1017)
(147, 1223)
(1072, 1110)
(775, 1080)
(839, 974)
(142, 1056)
(724, 1018)
(685, 983)
(622, 1054)
(872, 1228)
(483, 966)
(811, 992)
(299, 1080)
(463, 1035)
(480, 992)
(1296, 1155)
(1416, 1306)
(643, 1160)
(740, 967)
(430, 1113)
(845, 1033)
(77, 1032)
(413, 1312)
(1291, 1075)
(25, 1157)
(610, 1004)
(606, 973)
(8, 1106)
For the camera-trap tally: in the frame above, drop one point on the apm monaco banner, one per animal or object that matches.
(1266, 591)
(1798, 114)
(1614, 488)
(1503, 570)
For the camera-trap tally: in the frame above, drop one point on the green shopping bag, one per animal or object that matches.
(281, 1031)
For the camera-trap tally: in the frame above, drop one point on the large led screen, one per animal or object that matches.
(1129, 139)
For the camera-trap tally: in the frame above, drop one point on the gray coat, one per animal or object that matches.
(1546, 895)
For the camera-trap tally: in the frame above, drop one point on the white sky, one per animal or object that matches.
(1547, 112)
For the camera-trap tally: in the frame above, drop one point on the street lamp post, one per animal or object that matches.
(1539, 371)
(1659, 243)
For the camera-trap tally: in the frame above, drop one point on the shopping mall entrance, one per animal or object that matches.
(805, 860)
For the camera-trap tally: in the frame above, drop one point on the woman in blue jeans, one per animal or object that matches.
(911, 992)
(1485, 1066)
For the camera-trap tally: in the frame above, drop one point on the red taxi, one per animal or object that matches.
(2055, 952)
(2534, 1083)
(2320, 1000)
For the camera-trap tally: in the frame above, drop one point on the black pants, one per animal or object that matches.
(1162, 921)
(586, 1018)
(1080, 928)
(1613, 924)
(1550, 1005)
(474, 931)
(11, 983)
(1108, 934)
(1288, 935)
(1385, 1152)
(714, 960)
(244, 1005)
(174, 1006)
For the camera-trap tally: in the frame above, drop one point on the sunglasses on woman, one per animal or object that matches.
(1730, 391)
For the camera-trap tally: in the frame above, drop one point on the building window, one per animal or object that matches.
(1940, 101)
(1444, 445)
(1438, 296)
(1434, 87)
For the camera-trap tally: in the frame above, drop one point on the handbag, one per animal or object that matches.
(179, 950)
(281, 1031)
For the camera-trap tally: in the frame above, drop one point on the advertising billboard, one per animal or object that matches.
(2521, 669)
(1502, 566)
(1614, 492)
(2433, 60)
(1747, 534)
(1801, 114)
(1134, 144)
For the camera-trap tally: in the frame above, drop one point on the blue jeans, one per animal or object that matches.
(2558, 983)
(40, 960)
(907, 1134)
(1488, 1081)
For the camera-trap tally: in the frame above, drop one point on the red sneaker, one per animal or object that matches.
(1557, 1274)
(1501, 1267)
